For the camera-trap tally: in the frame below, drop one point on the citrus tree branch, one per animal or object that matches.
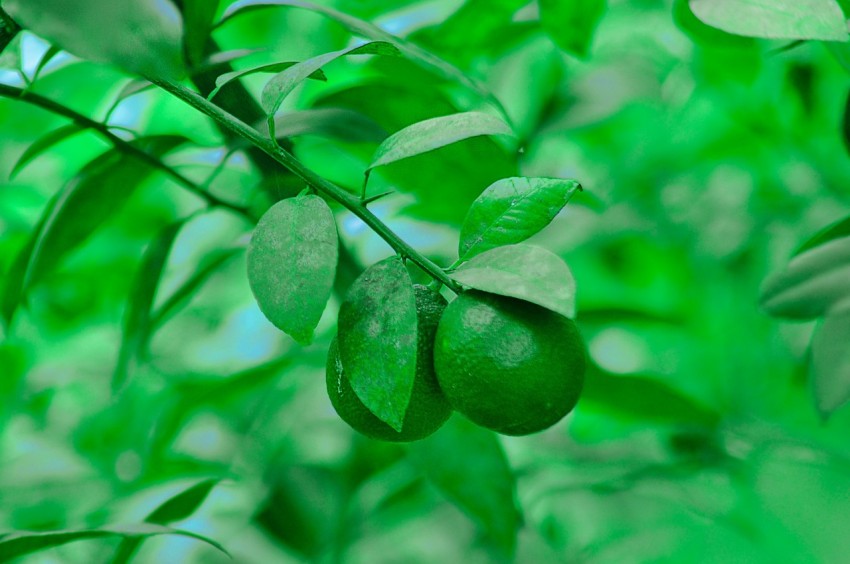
(102, 129)
(287, 160)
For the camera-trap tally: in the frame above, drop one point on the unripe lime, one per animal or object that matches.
(428, 408)
(508, 365)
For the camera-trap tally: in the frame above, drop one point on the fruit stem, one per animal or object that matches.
(352, 203)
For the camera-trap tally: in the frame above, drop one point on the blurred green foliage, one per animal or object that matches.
(706, 158)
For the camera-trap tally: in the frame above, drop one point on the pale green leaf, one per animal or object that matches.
(526, 272)
(292, 262)
(228, 77)
(830, 368)
(44, 144)
(775, 19)
(378, 337)
(437, 132)
(512, 210)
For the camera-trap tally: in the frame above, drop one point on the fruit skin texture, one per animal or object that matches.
(428, 408)
(508, 365)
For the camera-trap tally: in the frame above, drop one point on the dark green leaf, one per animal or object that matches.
(776, 19)
(198, 16)
(371, 31)
(435, 133)
(228, 77)
(571, 23)
(136, 330)
(141, 36)
(17, 544)
(281, 84)
(480, 481)
(42, 144)
(830, 369)
(512, 210)
(8, 30)
(86, 202)
(837, 230)
(337, 123)
(814, 283)
(51, 52)
(525, 272)
(377, 339)
(292, 263)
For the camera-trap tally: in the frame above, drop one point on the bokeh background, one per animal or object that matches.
(706, 160)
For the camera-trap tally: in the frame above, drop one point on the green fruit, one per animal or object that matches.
(428, 408)
(508, 365)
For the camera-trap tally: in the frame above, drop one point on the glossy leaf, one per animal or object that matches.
(830, 369)
(377, 339)
(435, 133)
(525, 272)
(512, 210)
(198, 17)
(228, 77)
(292, 261)
(136, 330)
(20, 543)
(86, 202)
(280, 85)
(480, 481)
(368, 30)
(44, 144)
(572, 23)
(837, 230)
(776, 19)
(813, 284)
(141, 36)
(337, 123)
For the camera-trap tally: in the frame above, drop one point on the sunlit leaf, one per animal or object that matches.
(43, 144)
(435, 133)
(337, 123)
(526, 272)
(377, 339)
(141, 36)
(571, 23)
(228, 77)
(830, 369)
(479, 481)
(814, 283)
(136, 329)
(512, 210)
(292, 263)
(19, 543)
(280, 85)
(86, 202)
(776, 19)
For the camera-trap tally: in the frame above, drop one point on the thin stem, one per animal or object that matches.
(349, 201)
(120, 144)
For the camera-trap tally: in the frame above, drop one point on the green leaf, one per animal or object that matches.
(813, 284)
(512, 210)
(281, 84)
(525, 272)
(228, 77)
(19, 543)
(837, 230)
(198, 16)
(368, 30)
(141, 36)
(86, 202)
(572, 23)
(480, 481)
(136, 329)
(377, 339)
(775, 19)
(830, 368)
(292, 261)
(43, 144)
(51, 52)
(336, 123)
(435, 133)
(8, 30)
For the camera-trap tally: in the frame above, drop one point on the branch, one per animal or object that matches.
(349, 201)
(16, 93)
